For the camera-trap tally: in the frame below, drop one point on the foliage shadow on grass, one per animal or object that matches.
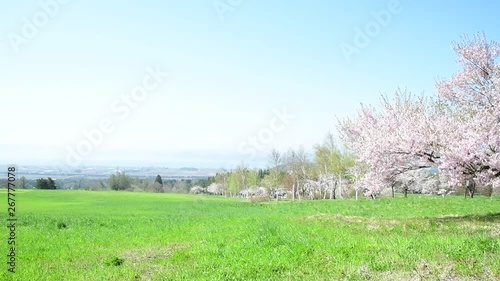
(490, 217)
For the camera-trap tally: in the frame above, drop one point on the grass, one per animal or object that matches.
(85, 235)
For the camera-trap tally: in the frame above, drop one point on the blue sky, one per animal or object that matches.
(229, 72)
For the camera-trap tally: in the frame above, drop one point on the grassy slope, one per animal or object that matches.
(189, 237)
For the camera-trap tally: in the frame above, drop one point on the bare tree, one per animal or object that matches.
(333, 162)
(275, 166)
(221, 178)
(22, 182)
(297, 167)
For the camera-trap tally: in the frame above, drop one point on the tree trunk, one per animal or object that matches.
(340, 186)
(392, 188)
(471, 193)
(470, 186)
(406, 192)
(356, 194)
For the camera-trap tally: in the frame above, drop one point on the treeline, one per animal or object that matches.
(122, 181)
(332, 172)
(24, 183)
(291, 174)
(118, 181)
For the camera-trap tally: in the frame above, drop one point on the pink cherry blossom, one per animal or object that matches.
(458, 131)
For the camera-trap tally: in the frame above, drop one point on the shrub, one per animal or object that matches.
(115, 261)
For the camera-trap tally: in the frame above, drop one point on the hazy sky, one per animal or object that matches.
(277, 72)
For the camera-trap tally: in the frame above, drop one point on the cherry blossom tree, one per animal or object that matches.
(458, 131)
(471, 141)
(393, 140)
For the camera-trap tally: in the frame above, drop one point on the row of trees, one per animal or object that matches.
(23, 183)
(456, 132)
(122, 181)
(291, 173)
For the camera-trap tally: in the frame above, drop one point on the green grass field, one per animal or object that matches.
(84, 235)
